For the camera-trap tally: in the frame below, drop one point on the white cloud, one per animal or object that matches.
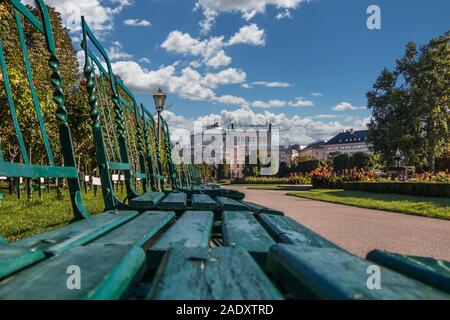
(266, 84)
(137, 23)
(293, 130)
(344, 106)
(286, 14)
(98, 16)
(250, 35)
(300, 102)
(275, 103)
(316, 94)
(116, 52)
(211, 51)
(224, 77)
(144, 60)
(248, 8)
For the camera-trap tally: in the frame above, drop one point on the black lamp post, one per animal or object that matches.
(160, 99)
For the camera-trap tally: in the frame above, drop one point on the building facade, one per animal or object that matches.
(349, 141)
(315, 150)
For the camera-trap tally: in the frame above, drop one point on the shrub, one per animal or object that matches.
(422, 189)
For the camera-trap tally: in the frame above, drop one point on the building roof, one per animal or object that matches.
(316, 144)
(349, 136)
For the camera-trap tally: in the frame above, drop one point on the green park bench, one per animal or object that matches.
(162, 254)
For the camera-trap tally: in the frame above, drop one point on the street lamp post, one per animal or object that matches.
(160, 99)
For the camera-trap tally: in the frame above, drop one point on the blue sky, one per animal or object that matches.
(303, 65)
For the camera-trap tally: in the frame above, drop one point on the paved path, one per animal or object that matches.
(361, 230)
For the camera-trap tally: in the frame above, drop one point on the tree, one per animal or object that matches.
(410, 106)
(361, 160)
(341, 162)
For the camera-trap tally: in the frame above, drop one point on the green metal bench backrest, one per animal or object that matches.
(152, 148)
(168, 148)
(117, 118)
(26, 168)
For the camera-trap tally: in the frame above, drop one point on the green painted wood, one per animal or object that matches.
(241, 229)
(328, 273)
(285, 229)
(139, 230)
(192, 230)
(230, 204)
(431, 271)
(76, 234)
(174, 201)
(107, 272)
(147, 201)
(257, 209)
(221, 274)
(203, 202)
(13, 259)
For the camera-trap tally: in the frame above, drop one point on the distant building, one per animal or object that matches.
(289, 154)
(315, 150)
(348, 141)
(253, 136)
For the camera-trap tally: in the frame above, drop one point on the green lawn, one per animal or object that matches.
(20, 219)
(420, 206)
(271, 187)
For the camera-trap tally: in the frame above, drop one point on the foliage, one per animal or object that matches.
(420, 206)
(307, 165)
(407, 188)
(75, 101)
(410, 106)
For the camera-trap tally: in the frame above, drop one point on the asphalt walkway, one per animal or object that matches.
(361, 230)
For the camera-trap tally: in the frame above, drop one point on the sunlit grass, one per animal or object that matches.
(20, 219)
(420, 206)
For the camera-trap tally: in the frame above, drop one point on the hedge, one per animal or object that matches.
(441, 190)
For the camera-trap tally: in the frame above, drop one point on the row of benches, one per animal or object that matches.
(195, 241)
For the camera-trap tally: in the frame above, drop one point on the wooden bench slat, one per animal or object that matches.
(221, 274)
(192, 230)
(147, 201)
(287, 230)
(433, 272)
(329, 273)
(241, 229)
(13, 259)
(258, 209)
(230, 204)
(174, 201)
(139, 230)
(203, 202)
(76, 234)
(107, 272)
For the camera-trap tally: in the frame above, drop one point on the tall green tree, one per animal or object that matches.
(410, 105)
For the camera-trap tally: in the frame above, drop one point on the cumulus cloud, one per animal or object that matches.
(248, 8)
(300, 102)
(293, 130)
(316, 94)
(98, 15)
(266, 84)
(137, 23)
(116, 52)
(250, 35)
(211, 51)
(346, 106)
